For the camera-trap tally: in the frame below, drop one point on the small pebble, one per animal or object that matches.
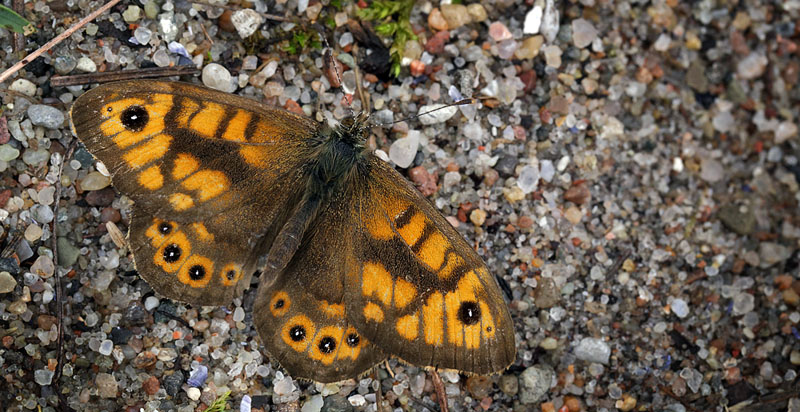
(583, 33)
(456, 15)
(86, 65)
(246, 21)
(107, 386)
(403, 151)
(593, 350)
(23, 86)
(218, 77)
(534, 383)
(193, 393)
(45, 116)
(132, 14)
(7, 282)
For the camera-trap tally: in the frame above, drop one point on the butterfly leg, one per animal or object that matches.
(288, 240)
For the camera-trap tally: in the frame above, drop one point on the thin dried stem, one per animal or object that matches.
(58, 39)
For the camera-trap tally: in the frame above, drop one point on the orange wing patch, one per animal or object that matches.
(208, 120)
(408, 327)
(377, 282)
(202, 232)
(188, 109)
(181, 201)
(433, 248)
(412, 231)
(184, 165)
(235, 130)
(373, 312)
(404, 293)
(208, 183)
(147, 152)
(335, 310)
(433, 319)
(151, 178)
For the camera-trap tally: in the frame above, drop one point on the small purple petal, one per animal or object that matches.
(198, 376)
(177, 48)
(245, 405)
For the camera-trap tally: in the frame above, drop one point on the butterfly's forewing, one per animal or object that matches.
(210, 175)
(408, 281)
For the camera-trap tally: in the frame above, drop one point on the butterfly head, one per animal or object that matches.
(353, 131)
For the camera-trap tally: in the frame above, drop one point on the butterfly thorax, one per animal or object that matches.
(340, 154)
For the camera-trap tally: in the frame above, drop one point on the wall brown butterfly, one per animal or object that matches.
(355, 264)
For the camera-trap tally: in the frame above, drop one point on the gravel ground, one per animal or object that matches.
(631, 176)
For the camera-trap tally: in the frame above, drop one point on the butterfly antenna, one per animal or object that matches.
(461, 102)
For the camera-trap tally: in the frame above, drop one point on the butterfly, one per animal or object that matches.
(356, 265)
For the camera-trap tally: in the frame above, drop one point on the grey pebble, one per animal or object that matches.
(46, 116)
(534, 383)
(67, 252)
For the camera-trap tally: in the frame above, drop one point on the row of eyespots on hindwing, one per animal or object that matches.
(174, 255)
(323, 343)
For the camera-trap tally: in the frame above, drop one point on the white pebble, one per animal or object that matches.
(86, 64)
(583, 33)
(238, 314)
(246, 21)
(357, 400)
(533, 20)
(151, 303)
(593, 350)
(528, 179)
(193, 393)
(436, 113)
(23, 86)
(403, 151)
(218, 77)
(680, 308)
(550, 21)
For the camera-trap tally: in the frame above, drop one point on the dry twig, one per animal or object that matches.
(58, 39)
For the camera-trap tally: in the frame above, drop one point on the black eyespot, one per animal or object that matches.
(327, 344)
(353, 340)
(135, 118)
(279, 304)
(197, 272)
(231, 274)
(109, 109)
(164, 228)
(172, 253)
(488, 328)
(297, 333)
(469, 313)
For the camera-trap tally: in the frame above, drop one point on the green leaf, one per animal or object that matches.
(220, 404)
(14, 22)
